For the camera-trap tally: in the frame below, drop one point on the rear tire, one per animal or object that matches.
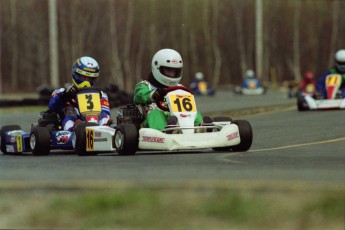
(300, 104)
(40, 141)
(246, 135)
(126, 139)
(3, 131)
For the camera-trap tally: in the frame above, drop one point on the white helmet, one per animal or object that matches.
(250, 73)
(199, 76)
(167, 60)
(340, 60)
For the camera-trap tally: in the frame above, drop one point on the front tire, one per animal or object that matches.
(3, 131)
(40, 141)
(246, 135)
(126, 139)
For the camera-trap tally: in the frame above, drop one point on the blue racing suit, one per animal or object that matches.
(69, 113)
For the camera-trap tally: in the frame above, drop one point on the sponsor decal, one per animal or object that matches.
(88, 69)
(105, 103)
(153, 139)
(100, 140)
(9, 148)
(62, 137)
(174, 61)
(92, 119)
(183, 115)
(232, 136)
(98, 134)
(90, 64)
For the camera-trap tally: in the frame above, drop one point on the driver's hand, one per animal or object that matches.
(158, 95)
(70, 93)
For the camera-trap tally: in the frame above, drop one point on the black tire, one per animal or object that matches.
(246, 135)
(126, 139)
(40, 141)
(3, 130)
(80, 135)
(300, 104)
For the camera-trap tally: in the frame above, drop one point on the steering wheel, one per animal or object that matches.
(159, 103)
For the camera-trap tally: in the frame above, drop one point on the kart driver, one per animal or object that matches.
(308, 84)
(166, 71)
(249, 76)
(85, 72)
(199, 85)
(339, 68)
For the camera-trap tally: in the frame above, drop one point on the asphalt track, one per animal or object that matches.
(288, 146)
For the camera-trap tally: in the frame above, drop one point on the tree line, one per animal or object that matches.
(216, 37)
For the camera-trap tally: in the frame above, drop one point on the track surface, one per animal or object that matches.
(288, 146)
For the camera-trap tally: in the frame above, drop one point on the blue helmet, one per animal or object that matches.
(85, 72)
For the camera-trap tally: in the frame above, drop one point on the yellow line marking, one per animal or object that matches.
(299, 145)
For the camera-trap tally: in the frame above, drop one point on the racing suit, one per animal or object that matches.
(321, 83)
(69, 113)
(154, 117)
(200, 87)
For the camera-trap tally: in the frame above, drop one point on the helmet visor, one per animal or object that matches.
(86, 78)
(170, 72)
(341, 66)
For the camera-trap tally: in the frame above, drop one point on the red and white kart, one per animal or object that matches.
(334, 99)
(221, 134)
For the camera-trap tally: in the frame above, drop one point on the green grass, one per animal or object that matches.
(173, 207)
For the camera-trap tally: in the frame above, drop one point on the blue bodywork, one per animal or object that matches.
(18, 141)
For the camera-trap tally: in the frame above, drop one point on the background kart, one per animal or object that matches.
(334, 98)
(220, 134)
(88, 137)
(250, 87)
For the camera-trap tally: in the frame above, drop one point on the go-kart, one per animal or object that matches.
(87, 138)
(202, 88)
(221, 134)
(250, 86)
(334, 100)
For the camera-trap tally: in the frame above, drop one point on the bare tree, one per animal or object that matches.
(14, 43)
(116, 71)
(127, 46)
(335, 14)
(296, 41)
(216, 50)
(207, 36)
(238, 12)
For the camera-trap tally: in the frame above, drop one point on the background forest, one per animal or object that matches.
(217, 37)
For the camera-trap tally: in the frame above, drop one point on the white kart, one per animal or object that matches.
(222, 134)
(334, 99)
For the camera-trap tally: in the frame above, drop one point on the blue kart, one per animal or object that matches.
(47, 134)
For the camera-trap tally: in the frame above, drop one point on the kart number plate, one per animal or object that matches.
(89, 139)
(89, 102)
(182, 103)
(203, 87)
(333, 80)
(19, 143)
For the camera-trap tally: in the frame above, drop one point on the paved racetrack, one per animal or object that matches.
(288, 146)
